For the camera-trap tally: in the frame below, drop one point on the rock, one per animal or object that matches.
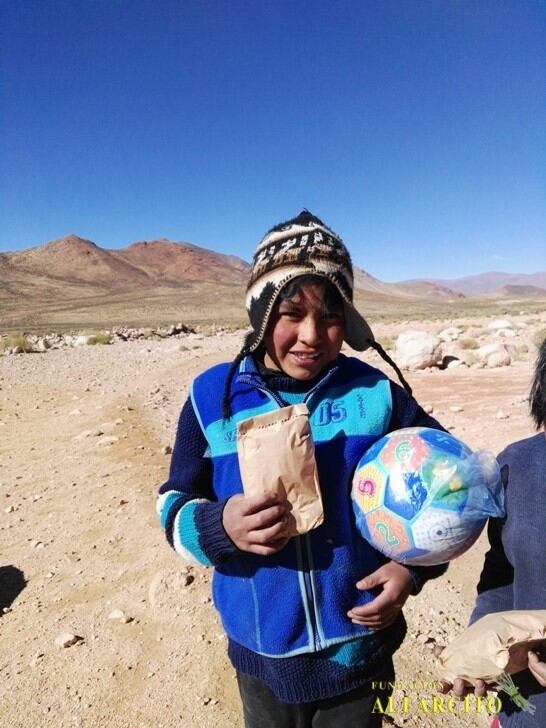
(107, 441)
(166, 449)
(456, 408)
(96, 432)
(501, 415)
(454, 363)
(417, 350)
(452, 333)
(120, 616)
(494, 355)
(449, 361)
(498, 359)
(42, 345)
(116, 614)
(499, 324)
(428, 408)
(68, 639)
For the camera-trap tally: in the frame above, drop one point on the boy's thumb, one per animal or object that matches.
(369, 582)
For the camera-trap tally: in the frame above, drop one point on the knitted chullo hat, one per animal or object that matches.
(301, 246)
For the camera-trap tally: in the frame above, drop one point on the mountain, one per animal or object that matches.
(74, 260)
(420, 289)
(518, 292)
(81, 266)
(72, 282)
(487, 282)
(170, 262)
(72, 267)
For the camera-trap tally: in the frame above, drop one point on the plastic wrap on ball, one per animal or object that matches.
(422, 497)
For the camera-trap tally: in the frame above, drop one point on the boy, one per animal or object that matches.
(311, 621)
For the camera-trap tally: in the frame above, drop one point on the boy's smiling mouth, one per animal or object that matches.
(304, 356)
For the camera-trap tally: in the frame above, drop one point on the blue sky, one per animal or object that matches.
(415, 129)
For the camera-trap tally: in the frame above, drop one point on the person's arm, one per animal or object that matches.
(407, 412)
(198, 526)
(187, 508)
(495, 587)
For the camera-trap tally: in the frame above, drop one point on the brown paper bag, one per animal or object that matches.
(276, 453)
(495, 645)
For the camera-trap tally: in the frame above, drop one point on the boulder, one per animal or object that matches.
(494, 355)
(452, 333)
(498, 324)
(417, 350)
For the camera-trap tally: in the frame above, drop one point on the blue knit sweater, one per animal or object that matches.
(190, 511)
(514, 571)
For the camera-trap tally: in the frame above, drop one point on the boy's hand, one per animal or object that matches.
(395, 584)
(461, 688)
(257, 523)
(537, 668)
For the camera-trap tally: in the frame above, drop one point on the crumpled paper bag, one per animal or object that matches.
(276, 453)
(493, 646)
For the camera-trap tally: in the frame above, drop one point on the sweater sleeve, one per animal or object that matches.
(495, 588)
(407, 412)
(187, 507)
(496, 584)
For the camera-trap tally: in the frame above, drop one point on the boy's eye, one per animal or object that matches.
(333, 316)
(290, 314)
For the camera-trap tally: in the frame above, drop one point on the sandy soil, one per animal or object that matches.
(83, 434)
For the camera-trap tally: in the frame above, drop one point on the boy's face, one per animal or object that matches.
(302, 338)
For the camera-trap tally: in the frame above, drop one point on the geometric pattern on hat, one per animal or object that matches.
(301, 246)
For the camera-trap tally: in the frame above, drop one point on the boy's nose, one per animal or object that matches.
(309, 330)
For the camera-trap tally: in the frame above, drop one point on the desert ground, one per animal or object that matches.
(84, 440)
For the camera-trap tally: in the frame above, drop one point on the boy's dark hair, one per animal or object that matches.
(332, 301)
(537, 397)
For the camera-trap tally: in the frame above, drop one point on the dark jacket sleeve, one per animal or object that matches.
(495, 588)
(407, 412)
(187, 507)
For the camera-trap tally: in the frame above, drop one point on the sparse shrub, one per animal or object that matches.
(468, 344)
(538, 337)
(16, 341)
(387, 342)
(522, 349)
(95, 339)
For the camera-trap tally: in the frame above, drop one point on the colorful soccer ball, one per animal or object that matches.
(420, 496)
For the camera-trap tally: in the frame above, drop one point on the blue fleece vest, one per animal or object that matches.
(296, 601)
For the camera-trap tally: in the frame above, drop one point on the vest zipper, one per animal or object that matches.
(272, 395)
(303, 544)
(305, 550)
